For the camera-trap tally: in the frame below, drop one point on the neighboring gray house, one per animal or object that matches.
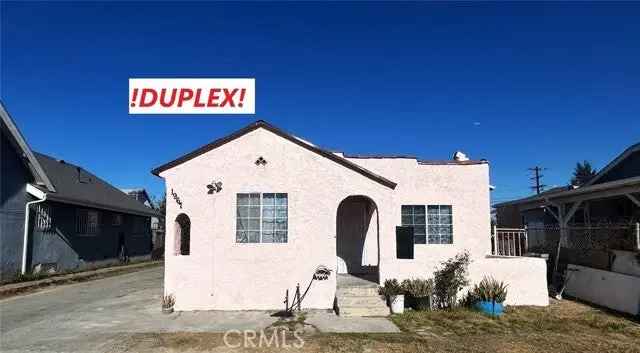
(157, 225)
(75, 220)
(612, 196)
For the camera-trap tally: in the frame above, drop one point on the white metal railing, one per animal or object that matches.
(509, 241)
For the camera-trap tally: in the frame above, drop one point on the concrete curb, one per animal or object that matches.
(8, 290)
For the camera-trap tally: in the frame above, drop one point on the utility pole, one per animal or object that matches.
(537, 176)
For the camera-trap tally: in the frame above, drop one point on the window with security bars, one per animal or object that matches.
(87, 222)
(44, 219)
(414, 216)
(440, 224)
(262, 218)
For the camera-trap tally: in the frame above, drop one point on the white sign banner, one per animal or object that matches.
(192, 96)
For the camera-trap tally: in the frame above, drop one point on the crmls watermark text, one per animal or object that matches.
(277, 338)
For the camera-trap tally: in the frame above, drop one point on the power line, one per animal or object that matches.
(537, 176)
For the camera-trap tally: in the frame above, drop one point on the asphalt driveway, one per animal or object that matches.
(95, 316)
(99, 315)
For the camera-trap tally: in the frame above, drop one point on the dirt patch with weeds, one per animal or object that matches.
(563, 327)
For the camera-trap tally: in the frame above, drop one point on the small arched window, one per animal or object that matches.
(182, 229)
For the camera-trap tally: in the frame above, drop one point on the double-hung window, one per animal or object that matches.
(262, 218)
(435, 228)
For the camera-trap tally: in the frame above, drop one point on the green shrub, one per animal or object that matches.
(418, 288)
(391, 288)
(450, 279)
(490, 289)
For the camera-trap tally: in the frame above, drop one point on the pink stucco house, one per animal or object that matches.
(253, 214)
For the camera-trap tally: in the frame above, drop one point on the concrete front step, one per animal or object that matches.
(360, 301)
(363, 310)
(357, 292)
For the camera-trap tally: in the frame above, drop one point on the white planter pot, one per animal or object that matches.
(397, 304)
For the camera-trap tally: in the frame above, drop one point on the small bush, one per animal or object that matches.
(490, 290)
(391, 288)
(418, 288)
(419, 292)
(450, 279)
(168, 301)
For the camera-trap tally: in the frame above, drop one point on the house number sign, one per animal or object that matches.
(176, 198)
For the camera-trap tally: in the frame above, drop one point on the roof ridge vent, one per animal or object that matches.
(460, 157)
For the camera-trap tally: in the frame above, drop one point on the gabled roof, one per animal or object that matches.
(78, 186)
(626, 153)
(24, 150)
(298, 141)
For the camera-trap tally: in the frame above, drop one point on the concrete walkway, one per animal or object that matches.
(93, 316)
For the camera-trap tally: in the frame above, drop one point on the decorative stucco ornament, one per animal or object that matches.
(176, 198)
(322, 273)
(215, 186)
(261, 161)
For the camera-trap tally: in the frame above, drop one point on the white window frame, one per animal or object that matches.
(261, 217)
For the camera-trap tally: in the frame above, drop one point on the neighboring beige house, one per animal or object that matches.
(253, 214)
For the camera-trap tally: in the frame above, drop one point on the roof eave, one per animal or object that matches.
(622, 156)
(85, 203)
(262, 124)
(573, 192)
(33, 164)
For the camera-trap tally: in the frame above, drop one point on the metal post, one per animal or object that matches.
(512, 243)
(494, 243)
(563, 230)
(638, 235)
(526, 239)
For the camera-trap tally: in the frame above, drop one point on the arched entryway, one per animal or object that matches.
(182, 235)
(357, 237)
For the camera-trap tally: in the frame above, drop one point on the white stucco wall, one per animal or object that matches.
(224, 275)
(609, 289)
(526, 277)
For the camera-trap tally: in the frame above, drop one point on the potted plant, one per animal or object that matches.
(167, 303)
(419, 291)
(392, 290)
(489, 295)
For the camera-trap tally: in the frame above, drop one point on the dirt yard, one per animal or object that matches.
(564, 327)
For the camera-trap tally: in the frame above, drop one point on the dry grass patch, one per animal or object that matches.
(563, 327)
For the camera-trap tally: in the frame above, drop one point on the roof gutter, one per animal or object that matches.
(41, 197)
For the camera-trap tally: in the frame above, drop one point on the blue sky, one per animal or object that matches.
(518, 84)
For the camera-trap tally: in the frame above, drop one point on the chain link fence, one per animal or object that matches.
(582, 245)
